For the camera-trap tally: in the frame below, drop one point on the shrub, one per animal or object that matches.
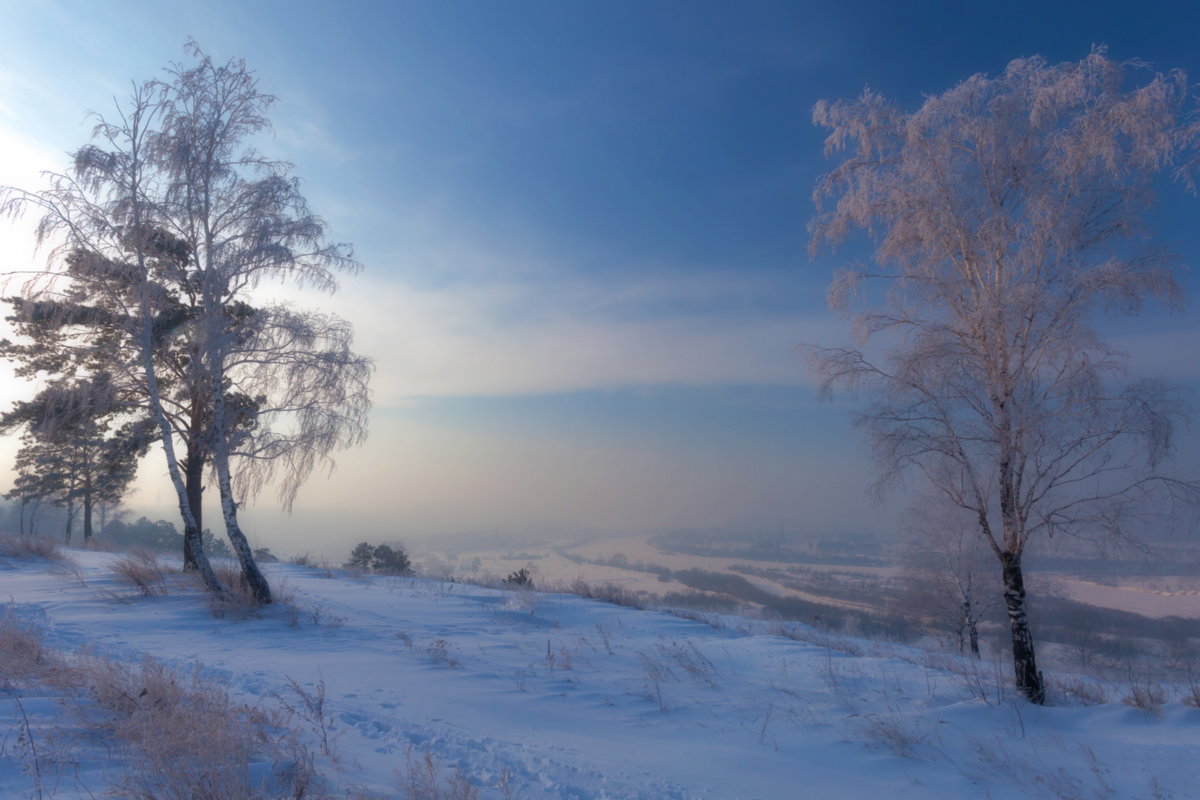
(263, 555)
(698, 601)
(521, 577)
(1191, 695)
(1146, 695)
(383, 559)
(439, 651)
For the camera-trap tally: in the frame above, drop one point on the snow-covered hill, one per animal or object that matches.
(536, 696)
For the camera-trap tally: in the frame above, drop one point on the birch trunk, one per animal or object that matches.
(146, 342)
(1028, 677)
(251, 574)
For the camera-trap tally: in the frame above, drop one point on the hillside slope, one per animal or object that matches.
(553, 696)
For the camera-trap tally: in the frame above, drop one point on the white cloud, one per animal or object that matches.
(533, 338)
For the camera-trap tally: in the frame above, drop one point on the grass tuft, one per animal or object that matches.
(142, 571)
(423, 778)
(27, 547)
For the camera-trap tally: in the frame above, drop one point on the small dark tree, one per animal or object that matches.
(264, 555)
(521, 577)
(362, 556)
(390, 561)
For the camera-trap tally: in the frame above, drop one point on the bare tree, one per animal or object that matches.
(245, 221)
(1005, 214)
(950, 567)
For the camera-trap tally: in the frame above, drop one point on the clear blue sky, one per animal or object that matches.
(583, 225)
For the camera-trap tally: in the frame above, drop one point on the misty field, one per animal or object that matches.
(1110, 614)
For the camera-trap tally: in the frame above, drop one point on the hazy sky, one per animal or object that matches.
(583, 226)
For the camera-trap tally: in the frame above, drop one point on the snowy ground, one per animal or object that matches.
(553, 696)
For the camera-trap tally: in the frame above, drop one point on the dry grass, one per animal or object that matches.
(143, 572)
(320, 565)
(657, 672)
(22, 654)
(238, 602)
(309, 705)
(1191, 694)
(1146, 694)
(892, 731)
(102, 544)
(184, 737)
(439, 651)
(188, 740)
(688, 657)
(422, 779)
(986, 680)
(26, 547)
(1084, 691)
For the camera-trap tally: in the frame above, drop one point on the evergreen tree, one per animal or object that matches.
(362, 556)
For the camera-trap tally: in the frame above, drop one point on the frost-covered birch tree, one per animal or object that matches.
(1005, 215)
(246, 222)
(173, 219)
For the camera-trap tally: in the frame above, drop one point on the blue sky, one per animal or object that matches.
(584, 232)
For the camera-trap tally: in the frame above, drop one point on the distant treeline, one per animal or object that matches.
(159, 535)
